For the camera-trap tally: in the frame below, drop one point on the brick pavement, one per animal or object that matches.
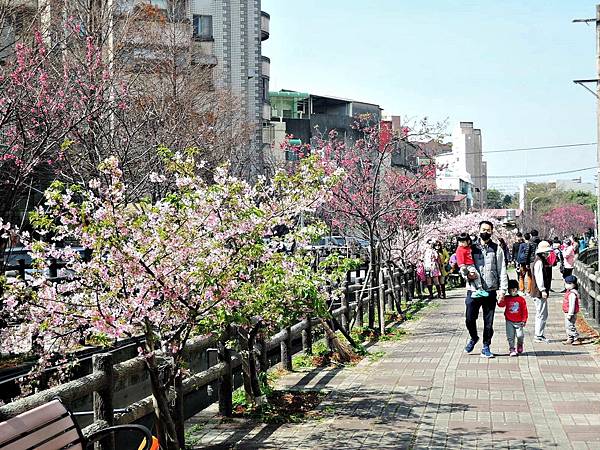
(426, 393)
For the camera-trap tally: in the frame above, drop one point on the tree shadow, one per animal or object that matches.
(352, 417)
(552, 353)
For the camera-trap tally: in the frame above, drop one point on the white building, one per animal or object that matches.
(451, 176)
(467, 158)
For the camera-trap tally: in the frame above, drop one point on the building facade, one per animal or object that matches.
(229, 34)
(468, 158)
(225, 35)
(305, 115)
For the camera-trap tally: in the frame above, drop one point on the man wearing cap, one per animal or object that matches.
(542, 278)
(491, 266)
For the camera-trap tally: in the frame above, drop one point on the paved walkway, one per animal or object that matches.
(426, 393)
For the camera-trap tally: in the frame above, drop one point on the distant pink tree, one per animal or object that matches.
(568, 219)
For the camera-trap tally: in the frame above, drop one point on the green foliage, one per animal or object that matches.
(376, 356)
(494, 199)
(549, 197)
(497, 200)
(393, 334)
(191, 438)
(302, 361)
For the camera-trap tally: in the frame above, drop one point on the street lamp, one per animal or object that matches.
(531, 209)
(531, 204)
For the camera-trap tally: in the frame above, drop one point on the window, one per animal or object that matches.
(203, 28)
(160, 4)
(265, 89)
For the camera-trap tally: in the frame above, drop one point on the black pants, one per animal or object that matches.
(567, 272)
(472, 313)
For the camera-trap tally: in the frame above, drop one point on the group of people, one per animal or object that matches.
(433, 269)
(483, 263)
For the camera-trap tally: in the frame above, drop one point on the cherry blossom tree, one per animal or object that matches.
(190, 263)
(411, 246)
(569, 219)
(375, 199)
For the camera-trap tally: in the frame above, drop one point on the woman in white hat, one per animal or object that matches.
(540, 289)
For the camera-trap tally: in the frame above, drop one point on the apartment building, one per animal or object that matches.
(229, 33)
(303, 115)
(222, 35)
(467, 158)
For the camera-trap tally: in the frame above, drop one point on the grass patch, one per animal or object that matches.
(376, 356)
(281, 406)
(393, 334)
(285, 407)
(191, 440)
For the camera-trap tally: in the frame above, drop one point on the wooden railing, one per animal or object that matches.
(586, 271)
(397, 287)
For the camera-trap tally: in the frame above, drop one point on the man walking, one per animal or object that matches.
(515, 249)
(489, 262)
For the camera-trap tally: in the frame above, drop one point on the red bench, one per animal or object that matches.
(52, 427)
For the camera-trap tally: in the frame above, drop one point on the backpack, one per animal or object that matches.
(552, 258)
(522, 254)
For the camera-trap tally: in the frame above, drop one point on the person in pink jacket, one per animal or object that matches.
(569, 258)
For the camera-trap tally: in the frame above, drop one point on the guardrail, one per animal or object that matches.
(394, 287)
(586, 271)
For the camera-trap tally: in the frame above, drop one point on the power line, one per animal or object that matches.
(535, 175)
(525, 149)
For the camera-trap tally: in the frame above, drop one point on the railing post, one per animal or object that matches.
(263, 355)
(360, 312)
(53, 269)
(286, 349)
(103, 398)
(346, 313)
(589, 272)
(307, 340)
(225, 381)
(21, 263)
(596, 301)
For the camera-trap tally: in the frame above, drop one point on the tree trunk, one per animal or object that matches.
(345, 353)
(178, 413)
(167, 433)
(374, 274)
(249, 367)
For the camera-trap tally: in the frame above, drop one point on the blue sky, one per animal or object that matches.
(508, 66)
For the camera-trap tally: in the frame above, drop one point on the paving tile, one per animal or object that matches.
(426, 393)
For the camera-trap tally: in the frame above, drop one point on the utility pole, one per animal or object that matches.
(596, 92)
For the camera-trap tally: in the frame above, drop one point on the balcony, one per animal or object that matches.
(265, 21)
(31, 4)
(146, 33)
(266, 67)
(203, 53)
(266, 111)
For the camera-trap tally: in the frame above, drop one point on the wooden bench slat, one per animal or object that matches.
(30, 420)
(47, 432)
(62, 441)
